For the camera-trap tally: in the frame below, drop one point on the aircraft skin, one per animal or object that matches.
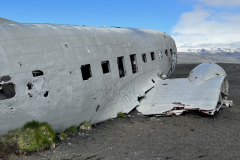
(44, 64)
(3, 20)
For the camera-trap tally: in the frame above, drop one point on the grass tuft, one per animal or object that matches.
(121, 115)
(85, 126)
(63, 136)
(36, 138)
(71, 130)
(33, 136)
(32, 124)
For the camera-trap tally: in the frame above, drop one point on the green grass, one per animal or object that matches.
(33, 136)
(32, 125)
(121, 115)
(36, 137)
(86, 124)
(71, 130)
(63, 135)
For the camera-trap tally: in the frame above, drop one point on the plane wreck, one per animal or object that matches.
(67, 74)
(205, 90)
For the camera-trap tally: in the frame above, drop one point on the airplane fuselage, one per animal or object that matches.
(65, 74)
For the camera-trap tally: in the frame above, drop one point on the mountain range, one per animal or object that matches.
(216, 55)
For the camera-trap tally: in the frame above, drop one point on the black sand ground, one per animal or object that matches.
(185, 137)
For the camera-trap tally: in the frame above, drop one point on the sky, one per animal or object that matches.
(192, 23)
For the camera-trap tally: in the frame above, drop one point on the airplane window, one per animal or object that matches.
(121, 67)
(7, 91)
(105, 67)
(37, 73)
(134, 63)
(152, 56)
(144, 58)
(86, 71)
(171, 52)
(166, 52)
(160, 54)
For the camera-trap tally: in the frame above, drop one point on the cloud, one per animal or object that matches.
(205, 26)
(218, 3)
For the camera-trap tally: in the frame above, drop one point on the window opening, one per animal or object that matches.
(171, 52)
(166, 52)
(86, 71)
(152, 56)
(105, 67)
(144, 58)
(37, 73)
(121, 67)
(7, 91)
(134, 63)
(160, 54)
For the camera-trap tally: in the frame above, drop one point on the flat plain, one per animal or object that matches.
(185, 137)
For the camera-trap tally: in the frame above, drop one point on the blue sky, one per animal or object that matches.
(182, 19)
(153, 14)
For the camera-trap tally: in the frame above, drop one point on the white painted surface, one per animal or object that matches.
(200, 91)
(59, 51)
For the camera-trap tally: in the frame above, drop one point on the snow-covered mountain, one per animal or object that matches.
(213, 50)
(217, 55)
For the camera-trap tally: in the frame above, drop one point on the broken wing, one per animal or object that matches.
(207, 92)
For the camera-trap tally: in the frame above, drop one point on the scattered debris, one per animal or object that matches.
(85, 126)
(53, 146)
(228, 103)
(205, 90)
